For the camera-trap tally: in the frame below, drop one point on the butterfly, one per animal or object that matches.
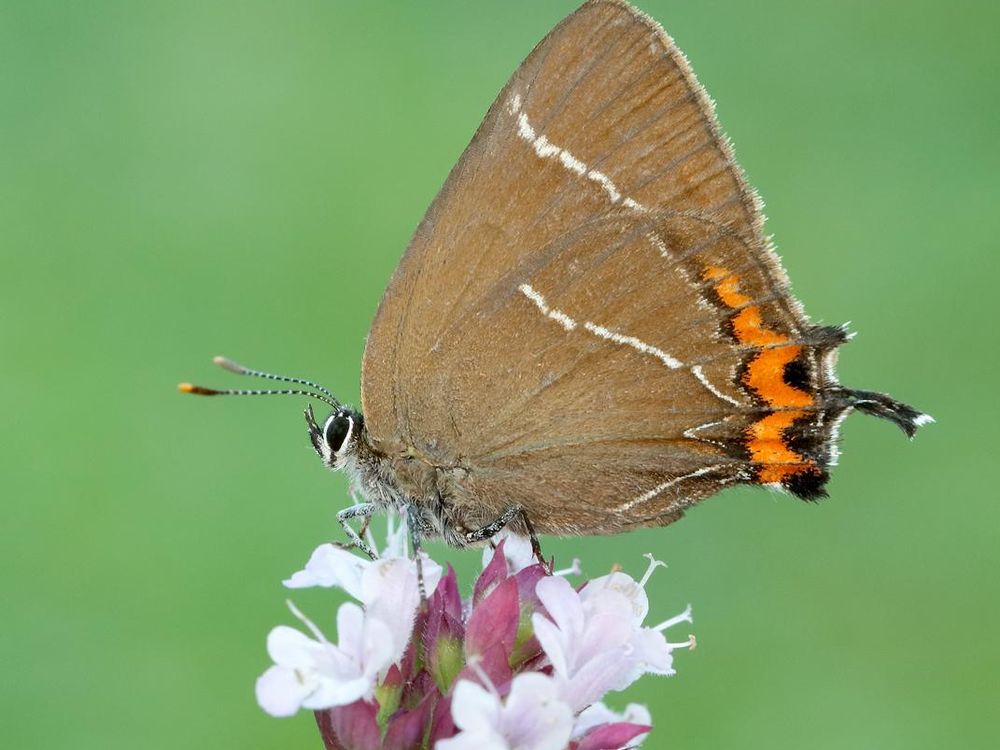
(589, 331)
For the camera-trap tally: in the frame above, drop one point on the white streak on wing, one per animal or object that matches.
(690, 433)
(646, 496)
(548, 150)
(607, 334)
(605, 182)
(525, 130)
(545, 149)
(598, 330)
(635, 343)
(573, 164)
(923, 419)
(568, 323)
(557, 315)
(699, 373)
(659, 244)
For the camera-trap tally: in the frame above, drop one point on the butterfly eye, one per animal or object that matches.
(337, 430)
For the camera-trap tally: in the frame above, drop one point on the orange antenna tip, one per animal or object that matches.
(196, 389)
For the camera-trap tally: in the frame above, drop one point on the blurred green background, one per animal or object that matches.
(182, 179)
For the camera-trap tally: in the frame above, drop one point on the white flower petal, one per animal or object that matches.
(322, 675)
(534, 716)
(550, 638)
(622, 584)
(390, 590)
(605, 631)
(351, 630)
(377, 655)
(607, 672)
(328, 566)
(473, 707)
(387, 576)
(396, 536)
(291, 648)
(280, 691)
(595, 639)
(516, 551)
(473, 740)
(330, 693)
(653, 652)
(365, 645)
(530, 689)
(391, 593)
(562, 603)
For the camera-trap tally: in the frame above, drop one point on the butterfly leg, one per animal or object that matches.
(536, 548)
(365, 533)
(413, 525)
(361, 510)
(493, 528)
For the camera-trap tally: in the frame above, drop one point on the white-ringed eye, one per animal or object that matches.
(337, 431)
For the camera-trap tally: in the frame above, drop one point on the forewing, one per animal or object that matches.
(555, 321)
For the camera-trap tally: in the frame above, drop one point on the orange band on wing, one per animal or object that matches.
(749, 329)
(727, 288)
(767, 446)
(765, 374)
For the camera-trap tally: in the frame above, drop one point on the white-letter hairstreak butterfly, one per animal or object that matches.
(589, 331)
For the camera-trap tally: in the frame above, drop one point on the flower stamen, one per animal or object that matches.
(653, 565)
(690, 644)
(684, 616)
(313, 628)
(572, 570)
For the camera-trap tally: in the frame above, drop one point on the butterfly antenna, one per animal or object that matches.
(228, 364)
(199, 390)
(324, 394)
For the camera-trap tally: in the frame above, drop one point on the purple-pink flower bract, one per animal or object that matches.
(521, 663)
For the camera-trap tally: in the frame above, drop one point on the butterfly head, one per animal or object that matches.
(335, 439)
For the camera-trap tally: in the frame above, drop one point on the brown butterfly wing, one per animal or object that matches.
(586, 320)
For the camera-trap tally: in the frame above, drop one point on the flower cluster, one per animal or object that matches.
(521, 663)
